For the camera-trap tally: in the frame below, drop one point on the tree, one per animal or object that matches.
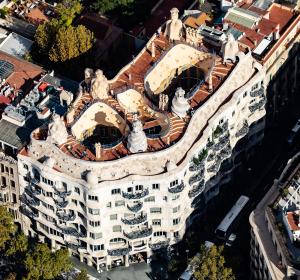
(67, 10)
(11, 276)
(45, 35)
(210, 265)
(18, 246)
(7, 226)
(104, 6)
(42, 264)
(71, 42)
(82, 275)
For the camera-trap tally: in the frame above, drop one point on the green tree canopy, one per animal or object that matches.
(18, 245)
(7, 226)
(82, 275)
(104, 6)
(210, 265)
(71, 42)
(67, 10)
(42, 264)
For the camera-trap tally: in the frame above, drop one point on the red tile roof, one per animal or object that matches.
(24, 72)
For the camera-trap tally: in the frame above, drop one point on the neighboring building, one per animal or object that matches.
(16, 45)
(275, 246)
(26, 104)
(136, 158)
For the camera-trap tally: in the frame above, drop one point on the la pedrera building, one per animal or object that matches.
(135, 158)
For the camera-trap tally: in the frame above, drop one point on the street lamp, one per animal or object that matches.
(187, 255)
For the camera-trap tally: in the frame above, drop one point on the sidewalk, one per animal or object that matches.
(140, 271)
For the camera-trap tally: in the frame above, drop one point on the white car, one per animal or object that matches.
(230, 240)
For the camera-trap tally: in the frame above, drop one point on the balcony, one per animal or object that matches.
(197, 190)
(258, 105)
(66, 217)
(196, 177)
(136, 207)
(243, 131)
(196, 167)
(28, 200)
(28, 213)
(179, 188)
(72, 231)
(34, 180)
(159, 245)
(137, 195)
(215, 167)
(211, 156)
(256, 93)
(138, 234)
(62, 193)
(225, 153)
(61, 204)
(137, 220)
(223, 141)
(119, 252)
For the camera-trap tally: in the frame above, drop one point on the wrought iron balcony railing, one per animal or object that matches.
(137, 220)
(62, 204)
(138, 234)
(177, 189)
(119, 252)
(72, 231)
(243, 131)
(197, 177)
(136, 207)
(66, 217)
(221, 143)
(257, 105)
(196, 167)
(28, 200)
(197, 189)
(62, 193)
(137, 195)
(159, 245)
(28, 213)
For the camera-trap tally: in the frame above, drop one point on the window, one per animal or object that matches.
(2, 168)
(94, 211)
(6, 169)
(150, 199)
(176, 209)
(117, 229)
(74, 201)
(47, 181)
(155, 210)
(245, 94)
(11, 171)
(93, 198)
(233, 112)
(116, 191)
(77, 190)
(113, 217)
(160, 233)
(129, 189)
(176, 221)
(97, 235)
(108, 204)
(119, 203)
(94, 223)
(117, 240)
(176, 234)
(175, 197)
(12, 183)
(173, 183)
(25, 166)
(138, 187)
(156, 222)
(14, 198)
(97, 247)
(155, 186)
